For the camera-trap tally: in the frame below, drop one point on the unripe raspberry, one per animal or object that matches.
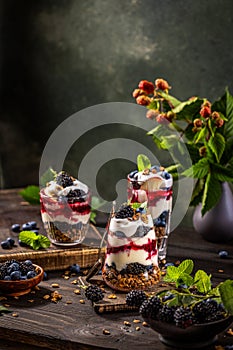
(161, 119)
(202, 151)
(162, 84)
(195, 129)
(206, 103)
(219, 122)
(205, 111)
(197, 122)
(143, 100)
(152, 113)
(146, 86)
(215, 115)
(137, 92)
(170, 116)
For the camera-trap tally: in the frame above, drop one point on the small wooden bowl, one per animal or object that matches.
(20, 287)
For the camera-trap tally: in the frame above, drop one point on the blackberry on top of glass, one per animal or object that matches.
(154, 185)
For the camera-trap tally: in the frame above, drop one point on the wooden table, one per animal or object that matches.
(69, 324)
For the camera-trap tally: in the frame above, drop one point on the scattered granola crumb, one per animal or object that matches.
(82, 301)
(46, 296)
(136, 321)
(77, 291)
(230, 331)
(137, 328)
(221, 271)
(74, 282)
(66, 277)
(69, 302)
(112, 296)
(6, 305)
(55, 285)
(3, 298)
(15, 314)
(106, 332)
(145, 324)
(31, 300)
(37, 288)
(127, 323)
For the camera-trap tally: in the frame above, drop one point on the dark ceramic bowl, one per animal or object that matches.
(194, 337)
(16, 288)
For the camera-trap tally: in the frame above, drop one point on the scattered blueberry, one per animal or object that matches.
(169, 264)
(36, 231)
(45, 277)
(6, 245)
(22, 244)
(183, 286)
(15, 275)
(11, 241)
(228, 347)
(31, 274)
(223, 254)
(75, 268)
(33, 224)
(13, 267)
(15, 228)
(27, 227)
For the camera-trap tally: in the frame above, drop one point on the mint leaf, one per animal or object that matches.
(31, 194)
(49, 175)
(217, 145)
(184, 279)
(3, 309)
(226, 292)
(33, 240)
(143, 162)
(186, 266)
(202, 281)
(172, 274)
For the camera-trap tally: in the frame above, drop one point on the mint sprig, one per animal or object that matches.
(31, 194)
(33, 240)
(143, 162)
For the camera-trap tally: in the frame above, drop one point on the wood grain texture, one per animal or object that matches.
(68, 324)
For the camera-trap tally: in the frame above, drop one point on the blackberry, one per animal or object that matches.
(94, 293)
(135, 298)
(124, 212)
(166, 314)
(135, 268)
(8, 269)
(183, 317)
(76, 195)
(205, 310)
(63, 179)
(151, 307)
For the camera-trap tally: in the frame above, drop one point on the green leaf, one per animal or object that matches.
(217, 145)
(212, 193)
(31, 194)
(168, 142)
(172, 101)
(221, 173)
(3, 309)
(226, 292)
(186, 266)
(199, 186)
(225, 106)
(184, 279)
(143, 162)
(202, 281)
(33, 240)
(200, 135)
(172, 274)
(188, 110)
(198, 170)
(154, 105)
(48, 176)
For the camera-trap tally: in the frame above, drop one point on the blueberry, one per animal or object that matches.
(155, 167)
(166, 175)
(23, 278)
(15, 275)
(33, 224)
(157, 222)
(31, 274)
(5, 245)
(11, 241)
(133, 173)
(169, 264)
(15, 228)
(36, 231)
(223, 254)
(28, 262)
(75, 268)
(183, 286)
(162, 223)
(45, 277)
(7, 278)
(168, 296)
(13, 267)
(22, 244)
(228, 347)
(27, 227)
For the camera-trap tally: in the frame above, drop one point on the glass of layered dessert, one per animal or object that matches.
(131, 255)
(154, 185)
(65, 210)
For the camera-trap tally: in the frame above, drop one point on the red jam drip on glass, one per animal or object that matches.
(150, 248)
(153, 197)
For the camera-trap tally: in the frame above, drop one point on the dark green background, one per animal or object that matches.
(60, 56)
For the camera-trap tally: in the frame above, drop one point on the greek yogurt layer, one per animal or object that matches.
(65, 209)
(132, 255)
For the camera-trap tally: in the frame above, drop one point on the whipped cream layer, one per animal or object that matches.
(131, 241)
